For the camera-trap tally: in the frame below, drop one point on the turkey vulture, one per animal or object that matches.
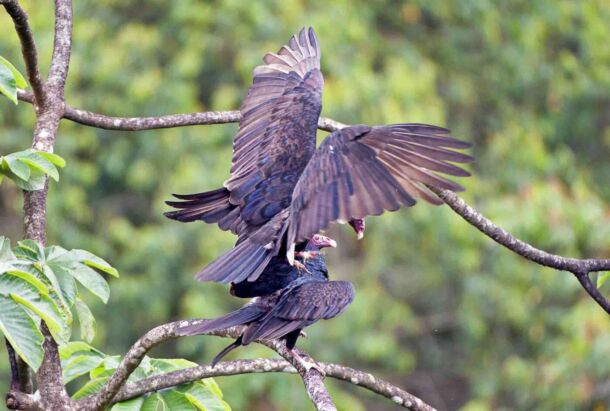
(283, 314)
(282, 190)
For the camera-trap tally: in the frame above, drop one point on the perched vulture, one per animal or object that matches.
(285, 313)
(279, 272)
(282, 190)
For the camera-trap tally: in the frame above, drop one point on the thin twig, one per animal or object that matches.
(265, 365)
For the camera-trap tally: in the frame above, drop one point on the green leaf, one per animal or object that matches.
(19, 79)
(91, 387)
(107, 367)
(602, 278)
(85, 320)
(21, 331)
(93, 261)
(177, 401)
(6, 254)
(66, 283)
(134, 404)
(56, 293)
(36, 181)
(154, 402)
(27, 295)
(30, 250)
(53, 158)
(18, 168)
(80, 364)
(91, 280)
(8, 83)
(204, 399)
(30, 279)
(68, 350)
(162, 365)
(37, 162)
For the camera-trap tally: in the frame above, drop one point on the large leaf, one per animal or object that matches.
(53, 158)
(154, 402)
(80, 364)
(134, 404)
(27, 295)
(91, 280)
(91, 387)
(37, 162)
(177, 401)
(77, 347)
(21, 331)
(19, 79)
(204, 399)
(29, 168)
(85, 320)
(8, 83)
(20, 169)
(6, 254)
(93, 261)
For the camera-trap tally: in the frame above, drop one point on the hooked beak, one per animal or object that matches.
(322, 241)
(358, 226)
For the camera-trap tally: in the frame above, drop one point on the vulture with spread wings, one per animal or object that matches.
(282, 190)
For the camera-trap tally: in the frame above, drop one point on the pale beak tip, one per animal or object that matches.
(333, 243)
(360, 235)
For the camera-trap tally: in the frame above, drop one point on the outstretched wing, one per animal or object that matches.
(301, 306)
(277, 131)
(359, 171)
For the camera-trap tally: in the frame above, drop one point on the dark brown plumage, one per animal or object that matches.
(282, 190)
(310, 297)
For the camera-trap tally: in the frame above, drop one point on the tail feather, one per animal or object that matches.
(210, 206)
(246, 260)
(224, 352)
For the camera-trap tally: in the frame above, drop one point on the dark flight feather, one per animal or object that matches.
(282, 190)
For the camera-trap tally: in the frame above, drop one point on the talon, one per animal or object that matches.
(308, 364)
(300, 266)
(306, 255)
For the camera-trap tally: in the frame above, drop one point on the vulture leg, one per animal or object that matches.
(307, 364)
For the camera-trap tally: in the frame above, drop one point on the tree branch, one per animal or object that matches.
(89, 118)
(312, 378)
(115, 389)
(579, 267)
(263, 365)
(28, 46)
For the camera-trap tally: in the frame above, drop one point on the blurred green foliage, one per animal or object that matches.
(440, 309)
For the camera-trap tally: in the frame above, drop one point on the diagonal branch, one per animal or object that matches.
(28, 46)
(579, 267)
(264, 365)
